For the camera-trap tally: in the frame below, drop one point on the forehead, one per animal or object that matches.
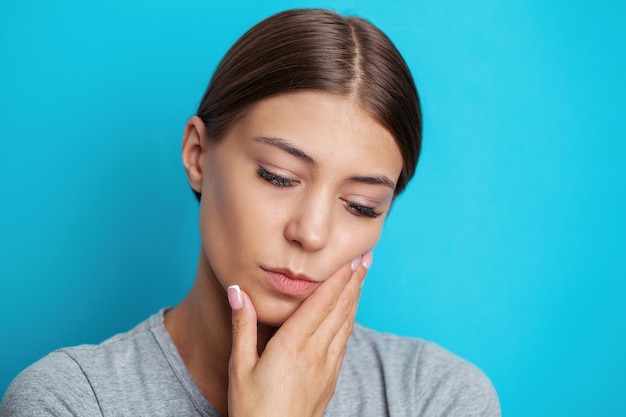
(329, 127)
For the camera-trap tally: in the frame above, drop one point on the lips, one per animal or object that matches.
(289, 283)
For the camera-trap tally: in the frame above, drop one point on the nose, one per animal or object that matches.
(310, 222)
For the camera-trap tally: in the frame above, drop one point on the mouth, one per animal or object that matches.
(288, 283)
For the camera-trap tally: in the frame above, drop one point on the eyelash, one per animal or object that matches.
(365, 211)
(274, 179)
(280, 181)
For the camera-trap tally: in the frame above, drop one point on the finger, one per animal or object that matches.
(337, 326)
(244, 354)
(343, 312)
(307, 318)
(338, 345)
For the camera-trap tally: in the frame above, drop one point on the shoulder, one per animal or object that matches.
(118, 354)
(54, 385)
(72, 381)
(431, 379)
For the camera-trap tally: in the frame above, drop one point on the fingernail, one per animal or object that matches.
(355, 263)
(367, 260)
(234, 297)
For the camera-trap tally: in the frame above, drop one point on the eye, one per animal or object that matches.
(274, 179)
(364, 211)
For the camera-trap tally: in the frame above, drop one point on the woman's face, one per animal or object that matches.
(299, 186)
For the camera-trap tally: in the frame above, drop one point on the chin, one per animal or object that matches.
(272, 322)
(274, 313)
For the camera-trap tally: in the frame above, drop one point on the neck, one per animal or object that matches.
(200, 327)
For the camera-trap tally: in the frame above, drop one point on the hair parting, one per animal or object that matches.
(321, 50)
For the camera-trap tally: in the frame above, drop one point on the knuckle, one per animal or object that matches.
(337, 350)
(327, 301)
(331, 391)
(235, 370)
(347, 328)
(350, 327)
(239, 326)
(292, 350)
(345, 305)
(319, 358)
(331, 385)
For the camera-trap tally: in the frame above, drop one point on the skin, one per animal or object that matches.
(300, 183)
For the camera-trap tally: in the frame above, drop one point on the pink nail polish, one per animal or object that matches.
(355, 263)
(367, 260)
(235, 299)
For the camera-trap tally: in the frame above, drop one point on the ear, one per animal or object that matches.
(195, 147)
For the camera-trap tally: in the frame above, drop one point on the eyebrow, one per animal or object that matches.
(290, 149)
(377, 180)
(287, 147)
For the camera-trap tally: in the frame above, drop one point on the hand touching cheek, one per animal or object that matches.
(297, 372)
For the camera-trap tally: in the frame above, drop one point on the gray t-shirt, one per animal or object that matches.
(140, 373)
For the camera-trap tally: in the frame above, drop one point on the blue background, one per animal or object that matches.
(508, 248)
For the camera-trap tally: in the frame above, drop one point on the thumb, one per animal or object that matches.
(244, 354)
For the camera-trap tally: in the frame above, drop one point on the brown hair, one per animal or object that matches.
(319, 50)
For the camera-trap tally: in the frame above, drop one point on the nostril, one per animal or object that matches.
(311, 220)
(308, 237)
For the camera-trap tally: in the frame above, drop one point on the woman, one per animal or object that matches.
(309, 128)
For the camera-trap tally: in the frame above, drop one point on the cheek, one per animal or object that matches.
(224, 221)
(356, 237)
(237, 220)
(222, 218)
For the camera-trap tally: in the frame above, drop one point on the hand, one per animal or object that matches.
(297, 372)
